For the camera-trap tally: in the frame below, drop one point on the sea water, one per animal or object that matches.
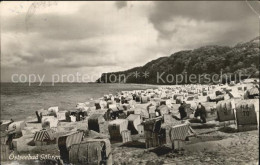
(19, 100)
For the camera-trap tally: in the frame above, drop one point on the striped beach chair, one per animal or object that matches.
(74, 138)
(66, 141)
(44, 135)
(178, 134)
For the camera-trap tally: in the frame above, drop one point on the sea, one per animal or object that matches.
(21, 100)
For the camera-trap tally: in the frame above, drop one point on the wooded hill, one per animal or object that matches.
(241, 59)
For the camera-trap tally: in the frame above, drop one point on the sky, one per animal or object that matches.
(91, 38)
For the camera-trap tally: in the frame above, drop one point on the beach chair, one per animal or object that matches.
(44, 137)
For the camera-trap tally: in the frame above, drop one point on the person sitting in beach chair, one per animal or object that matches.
(201, 111)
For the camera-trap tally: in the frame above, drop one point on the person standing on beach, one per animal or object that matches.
(182, 111)
(201, 111)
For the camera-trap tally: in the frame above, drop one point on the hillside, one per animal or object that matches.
(242, 59)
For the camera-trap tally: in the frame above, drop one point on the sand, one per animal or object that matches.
(233, 148)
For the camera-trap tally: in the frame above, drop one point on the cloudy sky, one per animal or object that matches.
(96, 37)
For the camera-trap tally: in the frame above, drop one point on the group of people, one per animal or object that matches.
(199, 112)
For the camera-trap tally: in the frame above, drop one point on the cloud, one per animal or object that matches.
(121, 4)
(97, 37)
(94, 36)
(55, 26)
(165, 15)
